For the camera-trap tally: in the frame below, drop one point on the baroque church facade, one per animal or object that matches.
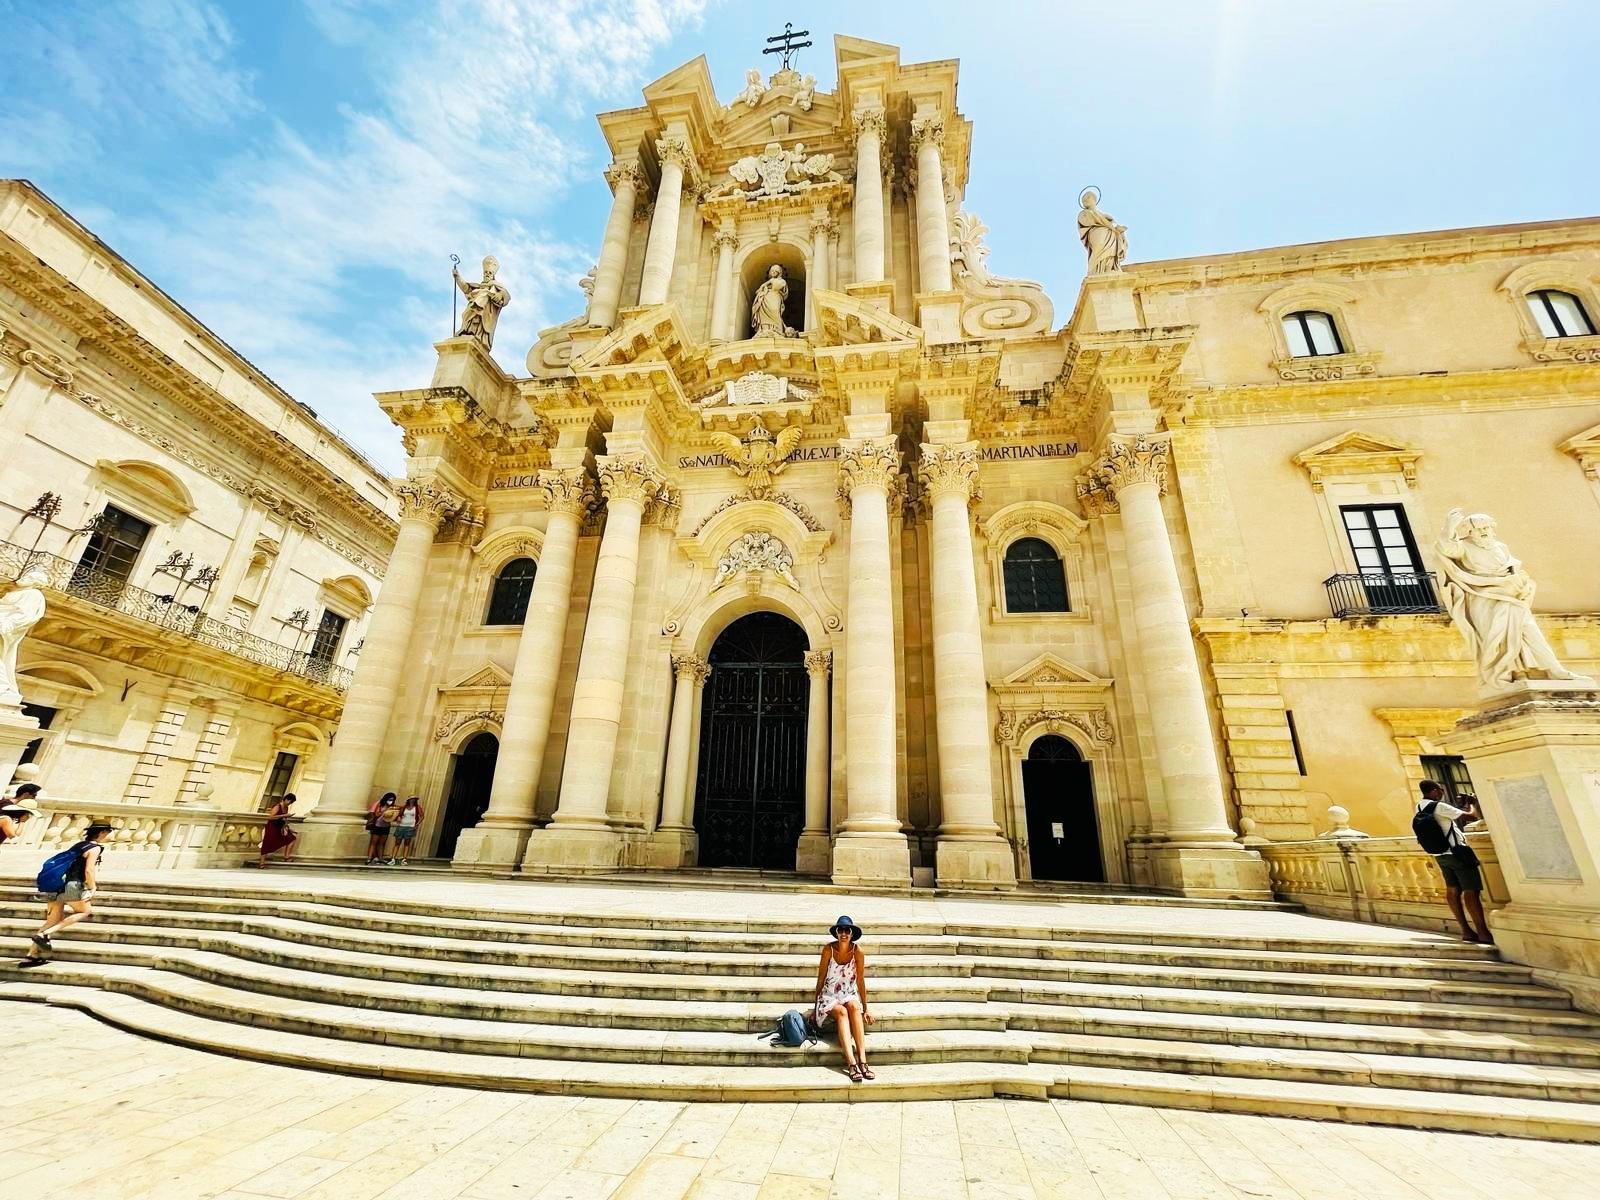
(814, 545)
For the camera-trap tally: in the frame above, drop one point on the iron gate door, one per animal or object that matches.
(751, 794)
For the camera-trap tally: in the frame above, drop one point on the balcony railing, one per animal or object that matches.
(1374, 594)
(111, 592)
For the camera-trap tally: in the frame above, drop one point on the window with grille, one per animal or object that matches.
(1559, 314)
(281, 777)
(1035, 579)
(1312, 333)
(508, 603)
(1450, 773)
(114, 546)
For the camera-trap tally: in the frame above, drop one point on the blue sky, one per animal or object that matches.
(296, 172)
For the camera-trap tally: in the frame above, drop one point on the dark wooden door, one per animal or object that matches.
(1058, 793)
(469, 791)
(751, 793)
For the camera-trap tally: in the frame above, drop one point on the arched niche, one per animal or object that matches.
(752, 271)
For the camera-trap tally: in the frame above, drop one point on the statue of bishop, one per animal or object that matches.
(485, 299)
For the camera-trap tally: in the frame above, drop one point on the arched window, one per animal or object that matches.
(1035, 581)
(1311, 333)
(1559, 314)
(508, 604)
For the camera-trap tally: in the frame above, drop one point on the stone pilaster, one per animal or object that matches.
(498, 840)
(219, 720)
(158, 743)
(626, 179)
(661, 250)
(971, 851)
(722, 314)
(812, 853)
(871, 848)
(870, 128)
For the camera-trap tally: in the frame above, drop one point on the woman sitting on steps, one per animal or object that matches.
(842, 996)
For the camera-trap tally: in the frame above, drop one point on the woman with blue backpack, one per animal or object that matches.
(842, 996)
(67, 881)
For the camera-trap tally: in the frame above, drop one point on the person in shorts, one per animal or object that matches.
(406, 824)
(380, 817)
(71, 904)
(1463, 878)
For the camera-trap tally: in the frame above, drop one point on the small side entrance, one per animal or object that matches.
(1058, 794)
(470, 780)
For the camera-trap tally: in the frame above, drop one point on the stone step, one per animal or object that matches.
(1440, 1110)
(1387, 966)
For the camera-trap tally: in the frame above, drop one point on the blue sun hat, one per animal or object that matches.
(846, 923)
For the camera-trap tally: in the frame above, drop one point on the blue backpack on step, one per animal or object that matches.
(791, 1029)
(53, 875)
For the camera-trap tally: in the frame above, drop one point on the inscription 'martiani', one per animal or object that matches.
(826, 453)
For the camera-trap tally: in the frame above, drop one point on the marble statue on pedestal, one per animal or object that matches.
(485, 299)
(1102, 237)
(20, 610)
(1490, 598)
(766, 310)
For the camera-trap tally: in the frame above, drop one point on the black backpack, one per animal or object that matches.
(1429, 835)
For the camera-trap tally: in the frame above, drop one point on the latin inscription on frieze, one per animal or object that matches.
(525, 480)
(1007, 453)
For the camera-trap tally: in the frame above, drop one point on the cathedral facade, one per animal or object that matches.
(815, 545)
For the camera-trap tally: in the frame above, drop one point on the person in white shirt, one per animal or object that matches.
(1463, 879)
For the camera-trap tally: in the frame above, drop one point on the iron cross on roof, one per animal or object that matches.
(787, 37)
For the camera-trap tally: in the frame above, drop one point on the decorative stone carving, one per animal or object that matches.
(1096, 724)
(995, 306)
(451, 722)
(757, 387)
(485, 299)
(1490, 598)
(628, 172)
(629, 478)
(756, 552)
(725, 236)
(754, 88)
(1102, 237)
(48, 365)
(758, 457)
(807, 93)
(783, 499)
(570, 492)
(968, 255)
(870, 120)
(869, 464)
(1126, 461)
(950, 471)
(818, 664)
(674, 148)
(766, 310)
(1095, 497)
(927, 129)
(20, 610)
(586, 284)
(693, 666)
(426, 500)
(769, 173)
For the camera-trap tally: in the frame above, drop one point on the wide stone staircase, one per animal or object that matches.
(1353, 1023)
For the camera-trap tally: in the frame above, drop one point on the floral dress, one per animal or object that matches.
(838, 987)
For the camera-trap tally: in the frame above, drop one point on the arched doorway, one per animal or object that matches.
(471, 777)
(750, 797)
(1058, 792)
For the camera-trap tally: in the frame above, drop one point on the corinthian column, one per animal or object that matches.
(870, 127)
(334, 829)
(690, 672)
(971, 851)
(811, 855)
(726, 241)
(870, 848)
(1202, 857)
(625, 179)
(498, 839)
(662, 248)
(579, 837)
(933, 225)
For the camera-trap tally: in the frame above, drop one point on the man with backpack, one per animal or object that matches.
(1438, 827)
(67, 881)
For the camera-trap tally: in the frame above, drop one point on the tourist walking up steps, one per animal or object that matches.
(842, 996)
(1438, 827)
(380, 817)
(276, 834)
(405, 829)
(67, 884)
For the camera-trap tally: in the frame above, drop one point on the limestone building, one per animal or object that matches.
(815, 544)
(212, 548)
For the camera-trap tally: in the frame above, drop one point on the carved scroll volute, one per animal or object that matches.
(426, 500)
(950, 471)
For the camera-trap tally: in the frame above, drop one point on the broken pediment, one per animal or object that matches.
(1358, 453)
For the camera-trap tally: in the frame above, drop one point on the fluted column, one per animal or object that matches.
(971, 851)
(933, 224)
(579, 837)
(722, 325)
(353, 761)
(662, 248)
(625, 179)
(870, 127)
(871, 847)
(498, 839)
(689, 672)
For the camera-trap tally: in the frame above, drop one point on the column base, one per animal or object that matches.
(565, 850)
(872, 860)
(491, 848)
(332, 839)
(668, 849)
(813, 854)
(1223, 871)
(978, 864)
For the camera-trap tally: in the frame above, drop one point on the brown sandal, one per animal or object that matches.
(866, 1072)
(853, 1071)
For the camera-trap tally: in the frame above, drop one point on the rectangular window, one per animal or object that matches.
(1311, 333)
(1559, 314)
(329, 632)
(114, 547)
(44, 715)
(280, 778)
(1294, 740)
(1450, 773)
(1392, 578)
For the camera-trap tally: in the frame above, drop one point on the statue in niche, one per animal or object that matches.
(754, 88)
(1102, 237)
(485, 299)
(1490, 598)
(766, 310)
(758, 456)
(20, 610)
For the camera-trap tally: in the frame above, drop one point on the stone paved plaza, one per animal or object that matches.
(105, 1115)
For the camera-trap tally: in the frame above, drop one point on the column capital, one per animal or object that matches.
(1129, 459)
(1095, 497)
(674, 148)
(570, 492)
(822, 224)
(727, 237)
(426, 499)
(819, 663)
(950, 470)
(868, 463)
(692, 667)
(869, 120)
(927, 129)
(625, 172)
(629, 477)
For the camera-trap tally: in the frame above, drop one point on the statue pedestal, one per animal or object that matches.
(939, 314)
(465, 364)
(1107, 303)
(1534, 756)
(16, 731)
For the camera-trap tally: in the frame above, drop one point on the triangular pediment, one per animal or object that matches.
(1357, 452)
(1584, 446)
(489, 675)
(1051, 671)
(747, 129)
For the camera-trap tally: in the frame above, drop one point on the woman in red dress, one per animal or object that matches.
(276, 834)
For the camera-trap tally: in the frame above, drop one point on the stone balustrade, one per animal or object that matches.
(144, 835)
(1387, 881)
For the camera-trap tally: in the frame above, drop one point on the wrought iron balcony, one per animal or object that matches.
(170, 613)
(1370, 595)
